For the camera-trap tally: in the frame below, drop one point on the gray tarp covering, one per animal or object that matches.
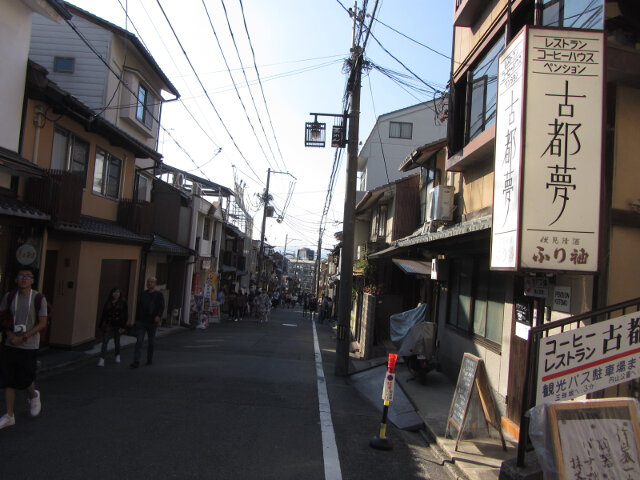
(411, 334)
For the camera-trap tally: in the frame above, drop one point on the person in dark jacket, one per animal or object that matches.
(148, 317)
(115, 315)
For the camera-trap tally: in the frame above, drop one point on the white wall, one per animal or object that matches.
(371, 161)
(15, 32)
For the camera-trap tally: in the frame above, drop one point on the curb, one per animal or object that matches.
(86, 357)
(432, 441)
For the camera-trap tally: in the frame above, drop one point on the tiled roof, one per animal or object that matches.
(162, 245)
(16, 208)
(101, 228)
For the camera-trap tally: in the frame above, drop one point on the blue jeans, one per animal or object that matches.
(116, 340)
(150, 330)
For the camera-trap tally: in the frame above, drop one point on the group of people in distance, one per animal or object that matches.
(259, 304)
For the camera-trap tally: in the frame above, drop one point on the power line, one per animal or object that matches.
(205, 90)
(253, 54)
(414, 41)
(244, 108)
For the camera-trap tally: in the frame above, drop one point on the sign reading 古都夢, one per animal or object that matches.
(548, 159)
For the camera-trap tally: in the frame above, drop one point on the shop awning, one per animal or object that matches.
(413, 267)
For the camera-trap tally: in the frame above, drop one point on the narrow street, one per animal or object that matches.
(235, 401)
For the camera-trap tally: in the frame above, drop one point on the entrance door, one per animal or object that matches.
(114, 273)
(48, 289)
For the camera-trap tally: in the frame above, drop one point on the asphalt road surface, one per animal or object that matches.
(239, 400)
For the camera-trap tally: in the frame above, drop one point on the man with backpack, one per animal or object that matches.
(24, 313)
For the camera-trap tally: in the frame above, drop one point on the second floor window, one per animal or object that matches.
(401, 130)
(573, 14)
(144, 106)
(70, 153)
(483, 92)
(206, 230)
(106, 177)
(380, 222)
(142, 192)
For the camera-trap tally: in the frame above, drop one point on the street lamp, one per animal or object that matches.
(339, 140)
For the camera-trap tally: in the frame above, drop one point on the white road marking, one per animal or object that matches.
(289, 325)
(329, 448)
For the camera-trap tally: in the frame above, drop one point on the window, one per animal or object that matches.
(400, 130)
(379, 229)
(482, 91)
(476, 298)
(106, 177)
(142, 188)
(70, 153)
(144, 107)
(63, 64)
(573, 14)
(206, 230)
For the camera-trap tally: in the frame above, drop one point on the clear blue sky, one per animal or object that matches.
(300, 47)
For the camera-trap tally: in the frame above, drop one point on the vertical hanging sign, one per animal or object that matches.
(562, 150)
(548, 152)
(508, 155)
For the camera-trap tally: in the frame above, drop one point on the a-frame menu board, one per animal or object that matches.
(472, 375)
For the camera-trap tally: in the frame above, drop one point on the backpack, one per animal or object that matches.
(6, 318)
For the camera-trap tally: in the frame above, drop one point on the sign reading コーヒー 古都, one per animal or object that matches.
(588, 359)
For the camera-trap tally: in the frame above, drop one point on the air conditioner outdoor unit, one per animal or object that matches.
(441, 203)
(178, 179)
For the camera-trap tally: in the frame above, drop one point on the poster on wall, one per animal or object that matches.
(562, 150)
(508, 155)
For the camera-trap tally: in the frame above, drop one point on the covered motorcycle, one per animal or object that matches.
(415, 339)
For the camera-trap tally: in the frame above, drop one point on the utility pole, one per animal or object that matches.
(284, 254)
(316, 276)
(264, 222)
(348, 232)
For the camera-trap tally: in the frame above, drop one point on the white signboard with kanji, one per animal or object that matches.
(508, 155)
(588, 359)
(562, 150)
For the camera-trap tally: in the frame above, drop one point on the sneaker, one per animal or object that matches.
(101, 362)
(117, 359)
(134, 365)
(7, 420)
(35, 405)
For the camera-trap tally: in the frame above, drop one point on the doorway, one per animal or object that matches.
(113, 273)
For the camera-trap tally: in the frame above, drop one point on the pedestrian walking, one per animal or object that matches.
(305, 305)
(148, 315)
(263, 305)
(114, 318)
(25, 311)
(243, 305)
(313, 306)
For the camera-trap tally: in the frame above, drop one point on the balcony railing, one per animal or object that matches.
(58, 193)
(232, 259)
(136, 215)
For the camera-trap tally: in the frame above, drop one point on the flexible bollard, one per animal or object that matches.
(381, 442)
